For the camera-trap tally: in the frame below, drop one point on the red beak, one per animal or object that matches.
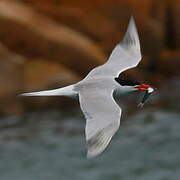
(142, 87)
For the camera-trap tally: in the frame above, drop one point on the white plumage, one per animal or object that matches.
(96, 90)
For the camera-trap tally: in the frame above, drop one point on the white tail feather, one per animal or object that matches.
(65, 91)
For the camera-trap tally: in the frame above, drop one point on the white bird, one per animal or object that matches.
(95, 92)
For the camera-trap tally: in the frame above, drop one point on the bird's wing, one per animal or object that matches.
(102, 117)
(125, 55)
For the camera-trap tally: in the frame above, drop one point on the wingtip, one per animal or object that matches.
(91, 155)
(131, 38)
(132, 25)
(132, 20)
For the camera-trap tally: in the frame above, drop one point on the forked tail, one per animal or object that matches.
(65, 91)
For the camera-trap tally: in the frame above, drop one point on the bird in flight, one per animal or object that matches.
(96, 92)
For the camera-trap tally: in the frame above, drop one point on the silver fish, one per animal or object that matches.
(147, 94)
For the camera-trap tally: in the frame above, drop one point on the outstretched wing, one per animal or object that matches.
(102, 117)
(125, 55)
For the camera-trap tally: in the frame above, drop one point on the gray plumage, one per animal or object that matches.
(96, 90)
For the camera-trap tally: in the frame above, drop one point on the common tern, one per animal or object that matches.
(96, 92)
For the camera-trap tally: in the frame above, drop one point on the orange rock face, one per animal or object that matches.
(68, 38)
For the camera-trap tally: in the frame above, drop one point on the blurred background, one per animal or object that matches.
(46, 44)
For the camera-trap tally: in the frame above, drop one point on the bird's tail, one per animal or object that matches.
(65, 91)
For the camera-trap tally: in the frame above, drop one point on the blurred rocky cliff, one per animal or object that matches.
(47, 44)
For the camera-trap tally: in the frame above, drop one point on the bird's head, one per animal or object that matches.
(133, 85)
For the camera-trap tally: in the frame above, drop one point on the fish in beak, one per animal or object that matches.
(148, 91)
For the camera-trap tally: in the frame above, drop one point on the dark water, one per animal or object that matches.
(50, 145)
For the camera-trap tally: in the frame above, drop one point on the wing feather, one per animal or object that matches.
(102, 117)
(126, 55)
